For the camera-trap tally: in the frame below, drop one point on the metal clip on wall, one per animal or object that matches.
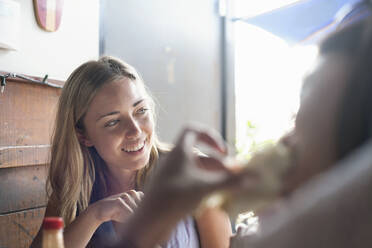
(3, 82)
(14, 75)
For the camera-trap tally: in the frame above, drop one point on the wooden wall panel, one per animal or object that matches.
(17, 230)
(27, 114)
(22, 188)
(24, 155)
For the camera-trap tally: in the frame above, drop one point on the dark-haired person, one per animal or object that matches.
(334, 119)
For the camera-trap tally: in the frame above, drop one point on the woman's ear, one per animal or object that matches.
(83, 139)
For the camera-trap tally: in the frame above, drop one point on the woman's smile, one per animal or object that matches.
(134, 149)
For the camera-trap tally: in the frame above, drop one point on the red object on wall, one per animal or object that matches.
(48, 14)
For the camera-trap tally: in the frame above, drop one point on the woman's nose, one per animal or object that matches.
(132, 129)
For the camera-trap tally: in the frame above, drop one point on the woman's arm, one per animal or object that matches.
(80, 231)
(214, 228)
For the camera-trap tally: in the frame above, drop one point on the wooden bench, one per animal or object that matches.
(27, 113)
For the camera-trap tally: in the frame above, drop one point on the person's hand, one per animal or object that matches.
(183, 177)
(117, 207)
(180, 181)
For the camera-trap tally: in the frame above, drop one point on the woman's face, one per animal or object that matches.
(313, 138)
(119, 124)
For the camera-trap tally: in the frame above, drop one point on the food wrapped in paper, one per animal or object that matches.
(270, 164)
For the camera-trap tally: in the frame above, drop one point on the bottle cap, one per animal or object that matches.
(51, 223)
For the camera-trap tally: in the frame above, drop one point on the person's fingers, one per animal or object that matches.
(212, 139)
(129, 200)
(136, 195)
(124, 205)
(116, 195)
(124, 210)
(132, 193)
(187, 141)
(140, 194)
(196, 133)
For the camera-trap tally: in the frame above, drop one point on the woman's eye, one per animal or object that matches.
(142, 110)
(111, 123)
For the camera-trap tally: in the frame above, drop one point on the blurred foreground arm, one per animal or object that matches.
(176, 189)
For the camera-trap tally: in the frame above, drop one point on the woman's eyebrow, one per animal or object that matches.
(117, 112)
(108, 114)
(138, 102)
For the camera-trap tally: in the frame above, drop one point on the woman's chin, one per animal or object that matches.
(140, 162)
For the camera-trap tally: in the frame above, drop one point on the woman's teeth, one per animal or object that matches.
(135, 148)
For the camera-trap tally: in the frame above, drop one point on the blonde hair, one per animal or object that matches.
(74, 168)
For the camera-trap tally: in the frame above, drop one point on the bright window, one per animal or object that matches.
(268, 77)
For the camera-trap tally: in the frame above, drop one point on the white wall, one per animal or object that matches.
(55, 53)
(175, 46)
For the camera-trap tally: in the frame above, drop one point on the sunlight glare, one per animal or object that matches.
(268, 78)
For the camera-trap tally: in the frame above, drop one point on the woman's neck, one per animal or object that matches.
(121, 181)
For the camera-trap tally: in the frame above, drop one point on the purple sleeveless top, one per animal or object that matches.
(185, 235)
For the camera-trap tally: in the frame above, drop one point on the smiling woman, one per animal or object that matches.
(119, 125)
(103, 148)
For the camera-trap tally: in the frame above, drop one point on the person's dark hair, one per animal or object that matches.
(354, 123)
